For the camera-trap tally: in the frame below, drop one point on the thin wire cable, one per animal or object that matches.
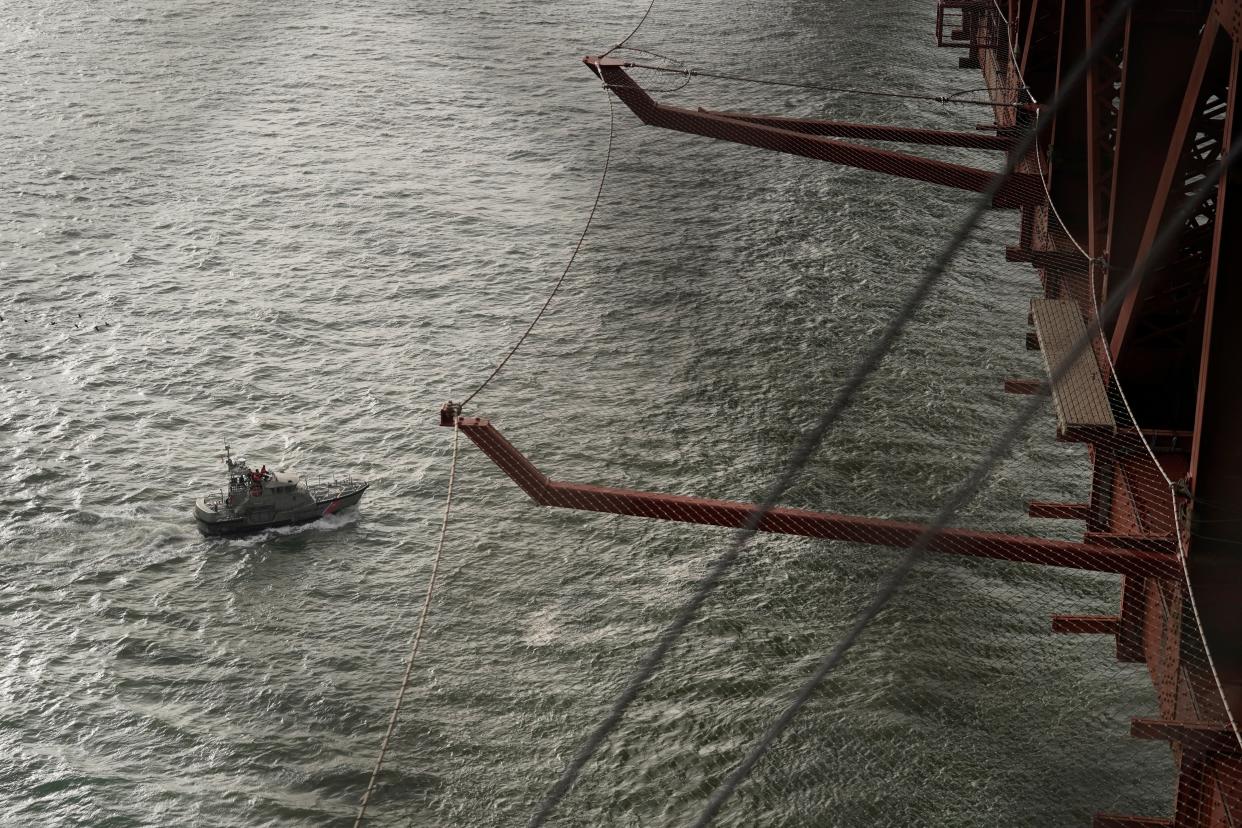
(964, 493)
(599, 192)
(810, 442)
(626, 39)
(417, 639)
(846, 90)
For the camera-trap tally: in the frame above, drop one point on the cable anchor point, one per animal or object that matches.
(449, 412)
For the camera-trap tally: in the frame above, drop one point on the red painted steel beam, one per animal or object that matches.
(1224, 241)
(1020, 189)
(1229, 13)
(1215, 552)
(1099, 143)
(1158, 58)
(1129, 644)
(1040, 49)
(1223, 789)
(1013, 32)
(781, 520)
(1086, 434)
(1161, 200)
(1031, 19)
(875, 132)
(1188, 809)
(1103, 481)
(1069, 262)
(1067, 163)
(1025, 386)
(1086, 624)
(1217, 736)
(1123, 821)
(1062, 511)
(1124, 540)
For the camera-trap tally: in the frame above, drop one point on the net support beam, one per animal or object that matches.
(1086, 624)
(1215, 736)
(824, 525)
(1122, 821)
(876, 132)
(1018, 190)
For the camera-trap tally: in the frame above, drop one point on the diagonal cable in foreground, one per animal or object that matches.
(810, 442)
(967, 490)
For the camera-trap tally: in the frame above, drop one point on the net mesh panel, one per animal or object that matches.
(1045, 663)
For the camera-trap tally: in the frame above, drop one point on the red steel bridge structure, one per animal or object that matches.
(1156, 111)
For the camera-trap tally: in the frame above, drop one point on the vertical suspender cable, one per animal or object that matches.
(422, 619)
(418, 637)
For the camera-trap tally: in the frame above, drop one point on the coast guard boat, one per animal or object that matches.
(264, 498)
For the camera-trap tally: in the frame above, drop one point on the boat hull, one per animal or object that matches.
(244, 525)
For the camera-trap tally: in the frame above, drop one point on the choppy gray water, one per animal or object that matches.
(299, 229)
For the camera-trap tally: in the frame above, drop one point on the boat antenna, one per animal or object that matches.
(228, 458)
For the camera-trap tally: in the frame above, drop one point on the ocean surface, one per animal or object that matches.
(296, 229)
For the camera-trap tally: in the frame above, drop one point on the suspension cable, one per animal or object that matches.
(422, 619)
(626, 39)
(415, 641)
(599, 192)
(810, 442)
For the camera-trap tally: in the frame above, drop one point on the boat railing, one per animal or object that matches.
(324, 488)
(217, 502)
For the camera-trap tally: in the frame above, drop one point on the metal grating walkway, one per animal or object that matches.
(1080, 398)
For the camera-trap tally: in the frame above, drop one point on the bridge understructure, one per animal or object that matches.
(1155, 400)
(1155, 113)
